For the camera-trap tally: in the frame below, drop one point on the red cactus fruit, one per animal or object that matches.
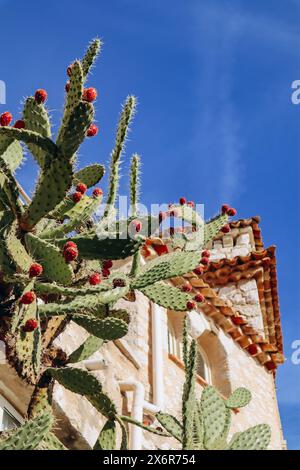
(35, 270)
(237, 320)
(67, 87)
(137, 225)
(97, 192)
(225, 208)
(190, 305)
(19, 124)
(105, 272)
(107, 264)
(30, 325)
(160, 249)
(191, 204)
(70, 253)
(199, 298)
(270, 365)
(81, 188)
(231, 212)
(205, 254)
(198, 270)
(225, 229)
(89, 94)
(28, 298)
(205, 260)
(119, 283)
(5, 119)
(69, 70)
(76, 196)
(252, 349)
(182, 201)
(40, 96)
(186, 287)
(95, 279)
(92, 130)
(70, 244)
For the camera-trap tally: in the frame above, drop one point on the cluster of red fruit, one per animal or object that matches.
(29, 297)
(89, 95)
(81, 189)
(226, 209)
(183, 202)
(40, 96)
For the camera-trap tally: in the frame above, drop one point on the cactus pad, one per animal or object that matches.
(239, 398)
(81, 382)
(86, 349)
(107, 437)
(53, 262)
(167, 296)
(255, 438)
(30, 435)
(165, 267)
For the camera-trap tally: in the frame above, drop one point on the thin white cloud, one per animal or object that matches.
(217, 32)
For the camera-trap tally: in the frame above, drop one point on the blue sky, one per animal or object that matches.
(215, 120)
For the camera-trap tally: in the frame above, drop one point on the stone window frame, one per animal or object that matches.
(175, 351)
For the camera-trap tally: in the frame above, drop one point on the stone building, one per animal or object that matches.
(239, 344)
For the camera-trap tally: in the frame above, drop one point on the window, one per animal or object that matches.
(175, 325)
(9, 417)
(203, 368)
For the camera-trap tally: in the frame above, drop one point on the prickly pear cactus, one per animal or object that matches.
(55, 263)
(206, 422)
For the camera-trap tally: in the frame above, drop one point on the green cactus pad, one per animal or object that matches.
(189, 400)
(108, 329)
(36, 119)
(107, 439)
(17, 251)
(83, 304)
(78, 217)
(51, 442)
(198, 428)
(86, 349)
(75, 129)
(73, 97)
(171, 425)
(81, 382)
(91, 247)
(214, 416)
(90, 56)
(255, 438)
(239, 398)
(19, 309)
(54, 182)
(213, 227)
(47, 288)
(165, 267)
(13, 155)
(90, 175)
(41, 400)
(123, 125)
(30, 137)
(53, 262)
(167, 296)
(28, 345)
(30, 435)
